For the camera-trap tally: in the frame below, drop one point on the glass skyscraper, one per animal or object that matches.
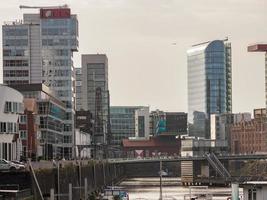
(209, 84)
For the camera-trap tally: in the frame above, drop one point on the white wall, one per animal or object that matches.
(213, 126)
(11, 95)
(145, 113)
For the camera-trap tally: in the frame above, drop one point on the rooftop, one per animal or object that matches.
(260, 47)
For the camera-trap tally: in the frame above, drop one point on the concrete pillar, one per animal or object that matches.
(85, 188)
(235, 191)
(52, 194)
(205, 169)
(70, 191)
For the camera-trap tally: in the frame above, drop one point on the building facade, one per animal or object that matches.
(78, 88)
(95, 94)
(168, 123)
(50, 112)
(142, 122)
(248, 137)
(122, 121)
(209, 84)
(154, 119)
(39, 49)
(84, 121)
(29, 129)
(11, 106)
(220, 124)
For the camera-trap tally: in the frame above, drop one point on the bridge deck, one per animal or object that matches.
(189, 158)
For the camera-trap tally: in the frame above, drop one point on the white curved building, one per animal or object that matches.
(11, 105)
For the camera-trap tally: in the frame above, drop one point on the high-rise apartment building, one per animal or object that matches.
(209, 84)
(95, 94)
(39, 49)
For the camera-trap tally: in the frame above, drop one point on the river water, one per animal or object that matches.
(148, 189)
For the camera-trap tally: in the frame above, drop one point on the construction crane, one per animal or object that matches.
(43, 7)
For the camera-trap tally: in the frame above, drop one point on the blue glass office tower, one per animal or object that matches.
(209, 84)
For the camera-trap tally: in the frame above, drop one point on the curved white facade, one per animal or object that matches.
(11, 105)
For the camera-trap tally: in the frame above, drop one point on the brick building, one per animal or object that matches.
(250, 136)
(28, 128)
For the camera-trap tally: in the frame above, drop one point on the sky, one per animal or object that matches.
(146, 43)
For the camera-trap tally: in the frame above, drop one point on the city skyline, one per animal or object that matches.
(162, 40)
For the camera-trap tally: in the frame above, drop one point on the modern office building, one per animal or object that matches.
(11, 102)
(155, 118)
(39, 49)
(168, 123)
(95, 94)
(209, 84)
(50, 112)
(122, 121)
(78, 88)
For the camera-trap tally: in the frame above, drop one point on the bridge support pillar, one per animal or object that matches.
(235, 191)
(205, 171)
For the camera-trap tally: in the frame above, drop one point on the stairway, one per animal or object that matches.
(217, 165)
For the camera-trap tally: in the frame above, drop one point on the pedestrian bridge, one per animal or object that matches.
(187, 158)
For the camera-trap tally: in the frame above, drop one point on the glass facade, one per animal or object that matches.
(39, 49)
(51, 114)
(95, 94)
(15, 54)
(209, 84)
(122, 121)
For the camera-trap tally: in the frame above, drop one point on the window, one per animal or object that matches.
(23, 119)
(16, 42)
(8, 127)
(16, 63)
(67, 139)
(16, 73)
(78, 83)
(16, 32)
(8, 106)
(14, 52)
(3, 127)
(23, 134)
(16, 82)
(13, 107)
(252, 194)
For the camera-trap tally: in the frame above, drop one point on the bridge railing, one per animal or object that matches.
(196, 157)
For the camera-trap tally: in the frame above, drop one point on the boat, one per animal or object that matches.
(115, 193)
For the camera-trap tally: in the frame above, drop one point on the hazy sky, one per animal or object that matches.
(145, 68)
